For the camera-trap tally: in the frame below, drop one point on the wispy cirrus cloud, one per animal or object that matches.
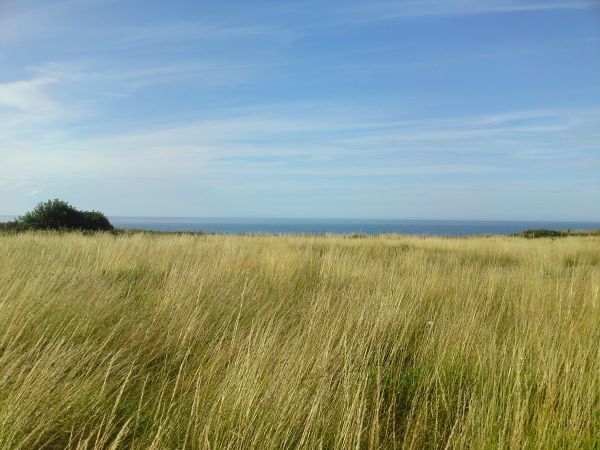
(192, 31)
(389, 10)
(39, 138)
(27, 96)
(44, 19)
(331, 141)
(28, 110)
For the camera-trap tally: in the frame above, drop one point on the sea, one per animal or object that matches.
(342, 226)
(339, 226)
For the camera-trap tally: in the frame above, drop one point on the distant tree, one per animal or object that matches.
(59, 215)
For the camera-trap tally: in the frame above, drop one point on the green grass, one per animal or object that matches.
(205, 341)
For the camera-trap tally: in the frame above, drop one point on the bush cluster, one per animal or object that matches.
(541, 232)
(59, 215)
(544, 233)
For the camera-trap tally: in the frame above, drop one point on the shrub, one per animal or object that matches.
(95, 220)
(12, 225)
(541, 232)
(59, 215)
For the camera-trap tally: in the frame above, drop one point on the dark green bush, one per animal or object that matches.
(59, 215)
(541, 232)
(95, 220)
(12, 225)
(544, 233)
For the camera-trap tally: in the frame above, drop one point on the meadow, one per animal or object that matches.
(152, 341)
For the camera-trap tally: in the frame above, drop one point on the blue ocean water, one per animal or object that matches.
(339, 226)
(342, 226)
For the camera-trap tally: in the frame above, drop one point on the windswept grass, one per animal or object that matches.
(157, 341)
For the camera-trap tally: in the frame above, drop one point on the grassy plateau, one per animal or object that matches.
(152, 341)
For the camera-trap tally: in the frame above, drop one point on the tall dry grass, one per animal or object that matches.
(154, 341)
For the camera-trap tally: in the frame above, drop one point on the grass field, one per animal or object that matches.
(180, 341)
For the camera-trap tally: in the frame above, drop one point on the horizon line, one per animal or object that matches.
(355, 219)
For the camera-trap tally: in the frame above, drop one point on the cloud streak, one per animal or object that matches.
(407, 9)
(286, 141)
(27, 96)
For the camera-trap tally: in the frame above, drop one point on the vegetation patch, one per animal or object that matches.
(545, 233)
(58, 215)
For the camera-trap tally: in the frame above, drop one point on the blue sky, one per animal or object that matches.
(455, 109)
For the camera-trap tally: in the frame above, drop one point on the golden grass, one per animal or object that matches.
(167, 341)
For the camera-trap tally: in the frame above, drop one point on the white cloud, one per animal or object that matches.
(29, 96)
(29, 113)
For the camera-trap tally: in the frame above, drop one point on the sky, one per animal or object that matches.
(428, 109)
